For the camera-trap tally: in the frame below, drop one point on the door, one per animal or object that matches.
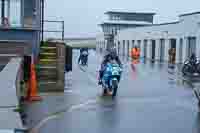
(123, 52)
(133, 41)
(172, 56)
(162, 49)
(118, 48)
(191, 46)
(145, 49)
(139, 43)
(128, 48)
(181, 51)
(153, 49)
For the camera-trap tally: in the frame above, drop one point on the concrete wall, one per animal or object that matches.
(30, 37)
(60, 66)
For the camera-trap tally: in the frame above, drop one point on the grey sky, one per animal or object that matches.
(82, 16)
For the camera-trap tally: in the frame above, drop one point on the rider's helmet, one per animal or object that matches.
(193, 55)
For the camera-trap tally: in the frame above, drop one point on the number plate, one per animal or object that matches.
(115, 73)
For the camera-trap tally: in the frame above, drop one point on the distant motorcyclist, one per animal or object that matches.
(110, 55)
(191, 66)
(82, 50)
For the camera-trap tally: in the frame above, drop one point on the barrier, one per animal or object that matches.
(32, 85)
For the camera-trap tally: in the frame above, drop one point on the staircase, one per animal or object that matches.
(47, 72)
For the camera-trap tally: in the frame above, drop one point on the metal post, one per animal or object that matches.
(22, 13)
(63, 30)
(42, 20)
(2, 11)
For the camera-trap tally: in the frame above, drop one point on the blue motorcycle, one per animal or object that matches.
(111, 78)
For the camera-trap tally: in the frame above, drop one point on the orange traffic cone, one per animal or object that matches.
(32, 93)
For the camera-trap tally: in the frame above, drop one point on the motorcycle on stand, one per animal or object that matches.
(111, 78)
(191, 68)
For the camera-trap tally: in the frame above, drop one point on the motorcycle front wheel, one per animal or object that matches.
(115, 87)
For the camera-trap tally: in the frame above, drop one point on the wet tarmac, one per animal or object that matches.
(152, 97)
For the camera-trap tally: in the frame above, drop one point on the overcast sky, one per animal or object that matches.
(83, 16)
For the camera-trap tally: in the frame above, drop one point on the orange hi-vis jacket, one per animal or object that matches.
(135, 53)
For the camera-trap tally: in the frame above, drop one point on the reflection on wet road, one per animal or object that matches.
(152, 98)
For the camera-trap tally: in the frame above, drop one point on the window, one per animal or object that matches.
(12, 13)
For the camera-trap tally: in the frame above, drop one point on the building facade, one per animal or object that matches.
(156, 40)
(118, 21)
(20, 26)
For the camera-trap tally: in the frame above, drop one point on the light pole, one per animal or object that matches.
(63, 30)
(42, 19)
(2, 11)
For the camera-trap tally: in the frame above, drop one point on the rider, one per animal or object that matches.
(81, 51)
(111, 55)
(193, 58)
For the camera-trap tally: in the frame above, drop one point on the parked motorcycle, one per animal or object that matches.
(111, 78)
(191, 67)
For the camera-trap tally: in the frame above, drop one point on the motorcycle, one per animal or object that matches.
(111, 78)
(191, 68)
(84, 58)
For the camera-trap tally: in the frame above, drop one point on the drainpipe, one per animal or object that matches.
(42, 20)
(2, 11)
(8, 11)
(63, 30)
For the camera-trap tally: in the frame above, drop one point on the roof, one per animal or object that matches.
(152, 25)
(122, 22)
(187, 14)
(80, 38)
(167, 23)
(118, 12)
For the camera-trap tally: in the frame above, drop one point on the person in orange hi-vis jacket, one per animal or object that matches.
(135, 53)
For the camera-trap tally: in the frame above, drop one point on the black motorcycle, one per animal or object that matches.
(191, 68)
